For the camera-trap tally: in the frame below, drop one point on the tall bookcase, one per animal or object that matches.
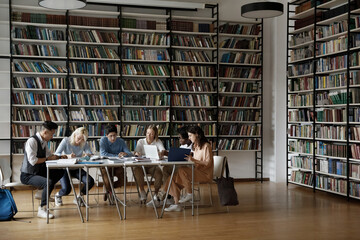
(323, 96)
(135, 66)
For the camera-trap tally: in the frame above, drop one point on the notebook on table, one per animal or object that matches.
(178, 154)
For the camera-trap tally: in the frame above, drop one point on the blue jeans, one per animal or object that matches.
(65, 182)
(39, 181)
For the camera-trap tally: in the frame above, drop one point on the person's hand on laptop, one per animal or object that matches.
(189, 157)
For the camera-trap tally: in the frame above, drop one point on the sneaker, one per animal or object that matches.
(187, 198)
(42, 213)
(58, 200)
(143, 196)
(173, 208)
(152, 202)
(79, 200)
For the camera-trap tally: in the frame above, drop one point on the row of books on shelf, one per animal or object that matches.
(146, 99)
(39, 82)
(144, 114)
(192, 100)
(239, 87)
(41, 114)
(93, 83)
(34, 50)
(93, 52)
(140, 130)
(37, 33)
(192, 85)
(235, 43)
(331, 132)
(240, 101)
(305, 131)
(98, 99)
(192, 71)
(138, 69)
(332, 46)
(94, 68)
(193, 41)
(156, 39)
(93, 115)
(186, 26)
(301, 38)
(93, 21)
(31, 130)
(300, 69)
(144, 85)
(38, 18)
(297, 100)
(334, 166)
(305, 178)
(193, 115)
(331, 149)
(240, 72)
(30, 98)
(302, 53)
(192, 56)
(143, 24)
(332, 63)
(323, 82)
(239, 144)
(145, 54)
(301, 146)
(303, 162)
(94, 36)
(243, 29)
(300, 115)
(331, 115)
(239, 115)
(241, 57)
(39, 67)
(240, 129)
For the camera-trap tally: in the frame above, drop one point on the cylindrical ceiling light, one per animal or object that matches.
(262, 10)
(62, 4)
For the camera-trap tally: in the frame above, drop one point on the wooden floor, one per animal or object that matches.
(266, 211)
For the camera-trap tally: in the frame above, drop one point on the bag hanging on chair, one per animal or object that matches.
(227, 193)
(7, 205)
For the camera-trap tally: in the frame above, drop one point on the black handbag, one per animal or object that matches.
(227, 192)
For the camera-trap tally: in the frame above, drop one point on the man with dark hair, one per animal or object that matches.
(33, 169)
(113, 146)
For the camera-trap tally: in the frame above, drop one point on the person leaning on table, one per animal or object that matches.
(151, 139)
(33, 169)
(113, 146)
(74, 146)
(203, 170)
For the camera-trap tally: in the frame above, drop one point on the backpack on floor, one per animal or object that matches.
(7, 205)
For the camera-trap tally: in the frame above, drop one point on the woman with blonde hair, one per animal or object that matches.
(150, 139)
(74, 146)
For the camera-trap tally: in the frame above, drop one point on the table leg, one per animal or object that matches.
(167, 191)
(151, 195)
(75, 196)
(113, 192)
(47, 195)
(192, 187)
(87, 194)
(125, 177)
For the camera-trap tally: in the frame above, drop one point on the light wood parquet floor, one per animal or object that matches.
(266, 211)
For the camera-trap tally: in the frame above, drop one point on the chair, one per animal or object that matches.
(5, 174)
(219, 164)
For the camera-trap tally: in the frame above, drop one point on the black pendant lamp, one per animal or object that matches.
(262, 10)
(62, 4)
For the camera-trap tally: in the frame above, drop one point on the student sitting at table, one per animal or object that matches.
(113, 146)
(167, 170)
(74, 146)
(203, 170)
(151, 139)
(33, 169)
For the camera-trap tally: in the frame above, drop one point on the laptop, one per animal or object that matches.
(151, 152)
(178, 154)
